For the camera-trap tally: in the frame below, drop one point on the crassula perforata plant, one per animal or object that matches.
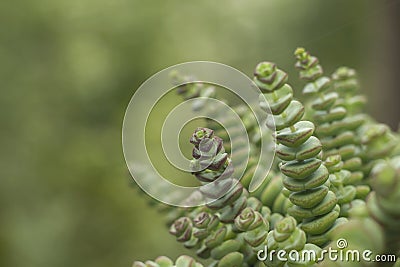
(337, 176)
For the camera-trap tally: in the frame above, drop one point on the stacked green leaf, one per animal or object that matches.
(335, 124)
(255, 228)
(377, 140)
(270, 189)
(225, 196)
(313, 185)
(289, 238)
(345, 194)
(189, 89)
(162, 261)
(346, 85)
(315, 206)
(226, 242)
(269, 192)
(212, 164)
(210, 238)
(213, 167)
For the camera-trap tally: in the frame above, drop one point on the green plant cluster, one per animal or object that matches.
(337, 175)
(270, 190)
(334, 117)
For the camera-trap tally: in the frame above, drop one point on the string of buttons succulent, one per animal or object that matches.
(330, 197)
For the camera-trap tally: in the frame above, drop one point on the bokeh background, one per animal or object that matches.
(69, 68)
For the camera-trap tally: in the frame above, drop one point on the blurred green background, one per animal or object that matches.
(69, 68)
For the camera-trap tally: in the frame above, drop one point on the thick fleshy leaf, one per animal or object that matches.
(325, 206)
(225, 248)
(311, 148)
(325, 102)
(310, 75)
(271, 81)
(300, 169)
(292, 114)
(316, 179)
(302, 131)
(234, 259)
(186, 261)
(334, 114)
(319, 85)
(321, 224)
(342, 139)
(163, 261)
(334, 128)
(277, 101)
(216, 238)
(309, 198)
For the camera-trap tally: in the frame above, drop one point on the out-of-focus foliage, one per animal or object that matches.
(68, 70)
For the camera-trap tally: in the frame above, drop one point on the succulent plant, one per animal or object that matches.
(337, 175)
(306, 177)
(336, 126)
